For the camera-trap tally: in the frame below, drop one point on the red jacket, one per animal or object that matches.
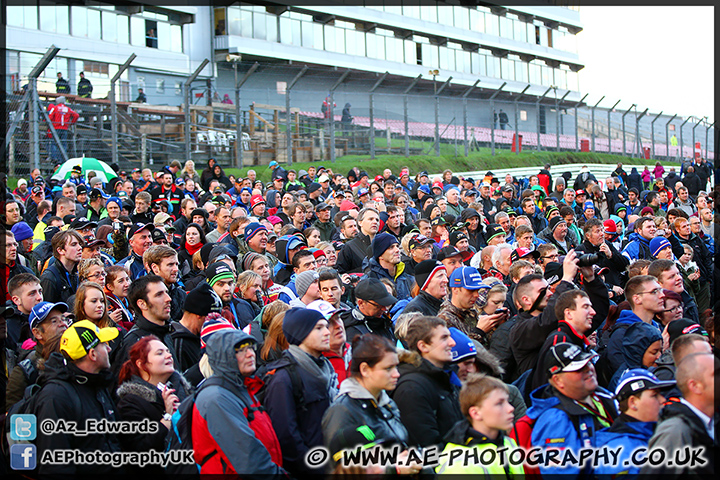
(62, 116)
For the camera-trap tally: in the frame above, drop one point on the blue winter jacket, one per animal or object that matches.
(403, 282)
(613, 355)
(562, 424)
(637, 339)
(637, 248)
(629, 434)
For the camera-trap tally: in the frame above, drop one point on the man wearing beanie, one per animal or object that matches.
(200, 302)
(308, 289)
(255, 240)
(300, 386)
(221, 277)
(385, 263)
(431, 277)
(558, 235)
(113, 207)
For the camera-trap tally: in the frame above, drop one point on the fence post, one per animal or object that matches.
(11, 158)
(288, 134)
(492, 118)
(652, 133)
(465, 126)
(113, 107)
(537, 114)
(592, 112)
(557, 119)
(186, 87)
(609, 139)
(143, 151)
(638, 141)
(693, 139)
(667, 135)
(682, 141)
(239, 145)
(405, 114)
(707, 133)
(624, 148)
(34, 134)
(577, 131)
(332, 114)
(372, 113)
(516, 141)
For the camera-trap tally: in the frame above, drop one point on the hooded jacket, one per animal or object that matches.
(702, 255)
(612, 357)
(562, 423)
(463, 436)
(403, 282)
(187, 346)
(638, 248)
(634, 180)
(283, 270)
(221, 420)
(628, 433)
(428, 401)
(71, 394)
(355, 406)
(680, 427)
(637, 339)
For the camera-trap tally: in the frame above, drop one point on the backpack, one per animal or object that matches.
(522, 434)
(180, 433)
(266, 374)
(28, 406)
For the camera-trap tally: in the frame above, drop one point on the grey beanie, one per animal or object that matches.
(304, 280)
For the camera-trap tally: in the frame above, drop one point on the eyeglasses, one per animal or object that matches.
(557, 255)
(98, 275)
(654, 291)
(377, 305)
(245, 347)
(677, 308)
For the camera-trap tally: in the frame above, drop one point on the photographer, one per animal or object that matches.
(608, 255)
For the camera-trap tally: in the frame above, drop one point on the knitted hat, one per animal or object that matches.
(426, 270)
(213, 323)
(551, 210)
(589, 205)
(456, 236)
(248, 259)
(304, 280)
(253, 229)
(646, 210)
(610, 227)
(657, 244)
(493, 230)
(382, 242)
(114, 200)
(219, 271)
(555, 221)
(202, 300)
(298, 324)
(22, 231)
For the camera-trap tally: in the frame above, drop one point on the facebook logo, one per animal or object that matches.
(23, 456)
(23, 427)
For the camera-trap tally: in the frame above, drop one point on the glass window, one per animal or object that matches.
(507, 69)
(246, 21)
(520, 30)
(493, 66)
(79, 21)
(285, 30)
(123, 29)
(137, 30)
(351, 46)
(371, 45)
(234, 24)
(521, 71)
(93, 24)
(543, 36)
(477, 63)
(176, 40)
(259, 26)
(393, 49)
(109, 27)
(491, 24)
(220, 22)
(340, 39)
(572, 81)
(560, 78)
(429, 13)
(272, 28)
(535, 75)
(429, 55)
(163, 33)
(159, 85)
(410, 52)
(395, 10)
(546, 75)
(462, 17)
(411, 11)
(47, 18)
(296, 32)
(506, 27)
(379, 51)
(30, 17)
(15, 16)
(445, 15)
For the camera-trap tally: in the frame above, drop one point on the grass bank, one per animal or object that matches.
(476, 161)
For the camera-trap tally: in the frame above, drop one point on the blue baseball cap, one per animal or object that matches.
(468, 278)
(39, 312)
(635, 380)
(424, 188)
(464, 347)
(362, 191)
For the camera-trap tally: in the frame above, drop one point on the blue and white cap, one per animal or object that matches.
(39, 312)
(635, 380)
(464, 347)
(468, 278)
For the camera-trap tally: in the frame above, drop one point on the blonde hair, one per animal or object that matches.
(84, 267)
(79, 310)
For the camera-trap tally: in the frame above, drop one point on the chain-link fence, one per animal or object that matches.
(332, 114)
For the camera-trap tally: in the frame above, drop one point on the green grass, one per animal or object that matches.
(482, 160)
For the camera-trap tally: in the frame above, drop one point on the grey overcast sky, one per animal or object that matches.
(661, 58)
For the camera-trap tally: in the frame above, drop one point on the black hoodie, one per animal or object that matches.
(71, 394)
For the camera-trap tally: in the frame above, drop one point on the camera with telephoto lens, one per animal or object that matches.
(589, 259)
